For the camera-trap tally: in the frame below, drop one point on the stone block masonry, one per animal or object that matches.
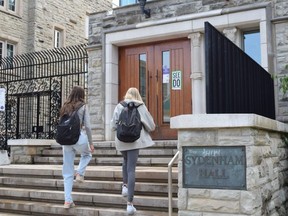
(129, 17)
(266, 164)
(23, 151)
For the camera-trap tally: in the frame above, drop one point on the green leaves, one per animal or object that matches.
(284, 84)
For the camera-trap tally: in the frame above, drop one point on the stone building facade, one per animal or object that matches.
(170, 20)
(264, 190)
(30, 27)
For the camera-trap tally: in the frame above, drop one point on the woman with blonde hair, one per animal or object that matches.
(130, 151)
(74, 102)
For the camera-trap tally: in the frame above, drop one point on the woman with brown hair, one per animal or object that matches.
(76, 101)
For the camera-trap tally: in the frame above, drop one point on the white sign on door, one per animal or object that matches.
(176, 80)
(2, 99)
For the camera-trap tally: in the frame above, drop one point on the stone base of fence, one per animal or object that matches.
(262, 191)
(24, 150)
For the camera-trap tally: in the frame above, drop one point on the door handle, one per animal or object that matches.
(156, 75)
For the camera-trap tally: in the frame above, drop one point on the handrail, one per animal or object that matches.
(170, 182)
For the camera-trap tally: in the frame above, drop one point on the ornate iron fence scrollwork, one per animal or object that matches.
(36, 84)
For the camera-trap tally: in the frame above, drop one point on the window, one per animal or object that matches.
(251, 43)
(127, 2)
(10, 50)
(58, 38)
(9, 5)
(7, 49)
(142, 77)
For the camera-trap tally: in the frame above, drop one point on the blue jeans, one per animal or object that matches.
(69, 152)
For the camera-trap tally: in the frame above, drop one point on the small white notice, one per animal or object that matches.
(2, 99)
(176, 80)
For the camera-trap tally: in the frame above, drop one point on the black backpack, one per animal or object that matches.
(129, 125)
(68, 129)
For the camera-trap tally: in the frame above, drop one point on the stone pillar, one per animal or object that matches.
(197, 74)
(96, 91)
(263, 174)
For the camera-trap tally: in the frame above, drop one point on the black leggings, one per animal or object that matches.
(128, 170)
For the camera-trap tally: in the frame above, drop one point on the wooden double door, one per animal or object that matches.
(161, 72)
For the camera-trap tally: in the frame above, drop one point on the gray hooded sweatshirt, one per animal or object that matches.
(145, 139)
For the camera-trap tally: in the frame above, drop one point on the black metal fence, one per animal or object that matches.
(235, 83)
(36, 84)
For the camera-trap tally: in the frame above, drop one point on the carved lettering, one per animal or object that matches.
(214, 160)
(214, 167)
(213, 173)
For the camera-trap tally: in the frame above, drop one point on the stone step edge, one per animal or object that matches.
(57, 209)
(115, 172)
(93, 185)
(85, 197)
(112, 153)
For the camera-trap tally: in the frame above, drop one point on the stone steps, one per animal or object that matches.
(50, 209)
(105, 161)
(152, 188)
(148, 174)
(104, 151)
(105, 154)
(86, 198)
(38, 188)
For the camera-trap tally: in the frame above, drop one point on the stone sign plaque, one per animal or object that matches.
(214, 167)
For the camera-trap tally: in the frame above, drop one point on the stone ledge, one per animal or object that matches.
(23, 151)
(31, 142)
(202, 121)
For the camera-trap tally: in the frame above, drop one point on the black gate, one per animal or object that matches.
(235, 83)
(36, 84)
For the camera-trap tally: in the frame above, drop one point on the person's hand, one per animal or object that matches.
(91, 148)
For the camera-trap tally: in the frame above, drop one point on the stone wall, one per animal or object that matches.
(266, 172)
(281, 56)
(14, 26)
(23, 151)
(128, 17)
(68, 15)
(32, 28)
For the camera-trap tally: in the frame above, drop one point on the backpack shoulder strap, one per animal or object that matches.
(76, 110)
(138, 104)
(80, 106)
(123, 103)
(83, 118)
(135, 104)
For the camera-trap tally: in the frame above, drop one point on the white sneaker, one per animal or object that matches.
(124, 191)
(130, 209)
(79, 178)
